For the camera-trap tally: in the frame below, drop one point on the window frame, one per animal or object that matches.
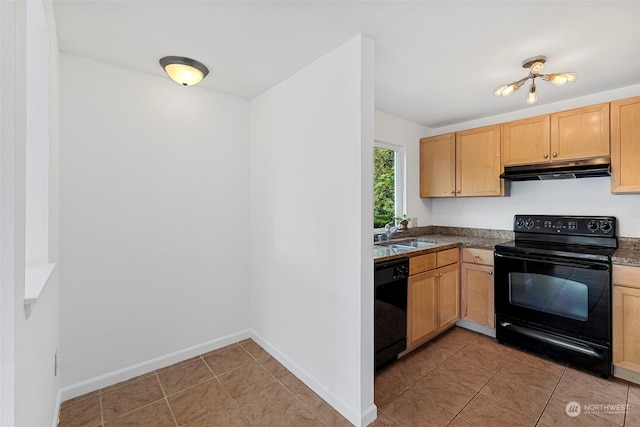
(400, 177)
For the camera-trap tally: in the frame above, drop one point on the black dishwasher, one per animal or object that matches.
(390, 319)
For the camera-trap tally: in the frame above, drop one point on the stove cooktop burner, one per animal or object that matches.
(580, 236)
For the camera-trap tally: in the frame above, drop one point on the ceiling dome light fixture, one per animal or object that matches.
(535, 65)
(184, 71)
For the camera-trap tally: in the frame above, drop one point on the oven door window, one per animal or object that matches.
(549, 294)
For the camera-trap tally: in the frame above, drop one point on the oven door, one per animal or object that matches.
(568, 296)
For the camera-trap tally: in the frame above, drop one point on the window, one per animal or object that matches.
(38, 269)
(388, 183)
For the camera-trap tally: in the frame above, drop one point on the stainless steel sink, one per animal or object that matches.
(406, 244)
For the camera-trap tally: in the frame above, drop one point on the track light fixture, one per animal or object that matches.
(535, 65)
(184, 71)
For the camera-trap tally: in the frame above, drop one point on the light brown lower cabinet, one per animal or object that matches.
(477, 294)
(626, 322)
(477, 287)
(433, 295)
(421, 307)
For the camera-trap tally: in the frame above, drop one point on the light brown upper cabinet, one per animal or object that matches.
(625, 146)
(438, 166)
(526, 141)
(462, 164)
(581, 133)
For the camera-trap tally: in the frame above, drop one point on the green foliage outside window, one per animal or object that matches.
(383, 186)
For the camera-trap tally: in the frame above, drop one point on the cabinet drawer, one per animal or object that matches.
(625, 275)
(449, 256)
(420, 263)
(477, 256)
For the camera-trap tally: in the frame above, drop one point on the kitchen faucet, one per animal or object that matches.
(389, 231)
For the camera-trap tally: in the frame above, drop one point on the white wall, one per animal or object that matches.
(28, 386)
(587, 196)
(12, 158)
(154, 222)
(398, 131)
(312, 280)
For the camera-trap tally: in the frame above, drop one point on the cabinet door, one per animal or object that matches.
(448, 289)
(626, 328)
(478, 165)
(527, 141)
(477, 302)
(581, 133)
(625, 146)
(437, 166)
(421, 307)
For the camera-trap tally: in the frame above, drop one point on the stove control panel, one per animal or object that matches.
(604, 226)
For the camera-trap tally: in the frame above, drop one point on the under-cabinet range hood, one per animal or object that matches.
(559, 170)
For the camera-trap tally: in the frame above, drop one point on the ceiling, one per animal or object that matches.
(437, 63)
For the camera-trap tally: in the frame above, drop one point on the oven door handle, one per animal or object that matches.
(594, 265)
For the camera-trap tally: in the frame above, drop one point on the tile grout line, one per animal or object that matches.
(450, 355)
(101, 408)
(139, 407)
(539, 420)
(165, 398)
(568, 368)
(483, 386)
(217, 380)
(234, 401)
(626, 408)
(277, 380)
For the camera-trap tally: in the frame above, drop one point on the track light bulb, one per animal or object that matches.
(532, 98)
(537, 67)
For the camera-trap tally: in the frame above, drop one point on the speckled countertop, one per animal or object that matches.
(628, 252)
(443, 238)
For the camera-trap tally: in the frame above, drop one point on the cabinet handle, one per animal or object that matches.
(555, 154)
(476, 256)
(453, 192)
(546, 156)
(490, 273)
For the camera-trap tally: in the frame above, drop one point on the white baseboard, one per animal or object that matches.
(129, 372)
(357, 418)
(626, 374)
(369, 415)
(56, 410)
(477, 328)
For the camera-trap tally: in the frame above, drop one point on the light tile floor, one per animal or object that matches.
(459, 379)
(238, 385)
(466, 379)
